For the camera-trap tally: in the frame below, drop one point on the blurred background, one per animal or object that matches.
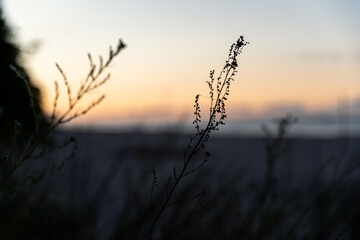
(303, 58)
(82, 181)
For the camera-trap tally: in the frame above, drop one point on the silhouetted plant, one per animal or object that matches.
(276, 145)
(92, 81)
(33, 146)
(219, 92)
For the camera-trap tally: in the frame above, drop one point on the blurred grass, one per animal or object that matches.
(320, 206)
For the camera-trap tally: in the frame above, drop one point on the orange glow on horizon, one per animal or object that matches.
(299, 56)
(167, 96)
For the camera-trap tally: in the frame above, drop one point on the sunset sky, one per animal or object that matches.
(303, 55)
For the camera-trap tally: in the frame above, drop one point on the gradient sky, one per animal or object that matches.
(302, 54)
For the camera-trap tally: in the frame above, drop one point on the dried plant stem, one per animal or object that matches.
(202, 135)
(169, 195)
(91, 83)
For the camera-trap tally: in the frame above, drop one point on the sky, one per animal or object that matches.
(303, 56)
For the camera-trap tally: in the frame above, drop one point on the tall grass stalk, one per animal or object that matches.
(219, 92)
(93, 80)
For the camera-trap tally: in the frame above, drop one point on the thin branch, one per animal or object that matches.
(203, 134)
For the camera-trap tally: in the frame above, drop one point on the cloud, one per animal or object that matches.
(321, 56)
(275, 110)
(356, 56)
(341, 112)
(355, 106)
(282, 109)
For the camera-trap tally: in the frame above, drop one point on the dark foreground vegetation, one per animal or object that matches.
(244, 192)
(72, 185)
